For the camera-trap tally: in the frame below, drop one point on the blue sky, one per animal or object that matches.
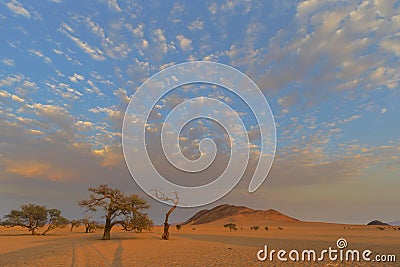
(329, 69)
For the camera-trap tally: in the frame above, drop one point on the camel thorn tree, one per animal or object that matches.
(119, 209)
(34, 217)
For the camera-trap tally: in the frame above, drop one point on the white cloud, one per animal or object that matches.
(93, 51)
(196, 25)
(339, 46)
(122, 95)
(18, 9)
(8, 61)
(159, 44)
(55, 114)
(184, 43)
(5, 94)
(114, 5)
(383, 110)
(351, 118)
(41, 55)
(138, 31)
(93, 88)
(76, 77)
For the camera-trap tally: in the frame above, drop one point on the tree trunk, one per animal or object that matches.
(33, 231)
(165, 235)
(48, 229)
(107, 230)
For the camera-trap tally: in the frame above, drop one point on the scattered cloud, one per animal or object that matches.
(18, 8)
(76, 77)
(41, 55)
(122, 95)
(184, 43)
(8, 62)
(113, 4)
(196, 25)
(93, 51)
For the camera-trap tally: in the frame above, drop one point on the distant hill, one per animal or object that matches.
(234, 213)
(376, 222)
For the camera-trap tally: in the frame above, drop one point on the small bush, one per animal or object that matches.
(193, 229)
(256, 227)
(266, 228)
(231, 226)
(280, 228)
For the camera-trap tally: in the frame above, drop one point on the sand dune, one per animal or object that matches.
(240, 214)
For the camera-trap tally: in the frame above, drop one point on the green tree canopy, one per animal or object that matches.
(118, 208)
(34, 217)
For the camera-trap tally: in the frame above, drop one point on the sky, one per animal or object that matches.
(329, 70)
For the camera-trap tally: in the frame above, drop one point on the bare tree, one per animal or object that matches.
(33, 217)
(119, 209)
(178, 227)
(173, 198)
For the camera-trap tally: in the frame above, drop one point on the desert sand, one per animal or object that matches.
(194, 245)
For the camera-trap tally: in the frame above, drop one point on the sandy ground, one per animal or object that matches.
(206, 245)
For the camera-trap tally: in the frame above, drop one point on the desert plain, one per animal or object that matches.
(194, 245)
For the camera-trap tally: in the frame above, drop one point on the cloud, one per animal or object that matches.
(55, 114)
(76, 77)
(5, 94)
(111, 42)
(64, 90)
(159, 44)
(50, 158)
(350, 119)
(114, 5)
(18, 9)
(22, 85)
(335, 46)
(93, 51)
(114, 115)
(383, 110)
(93, 88)
(196, 25)
(184, 43)
(8, 62)
(122, 95)
(46, 59)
